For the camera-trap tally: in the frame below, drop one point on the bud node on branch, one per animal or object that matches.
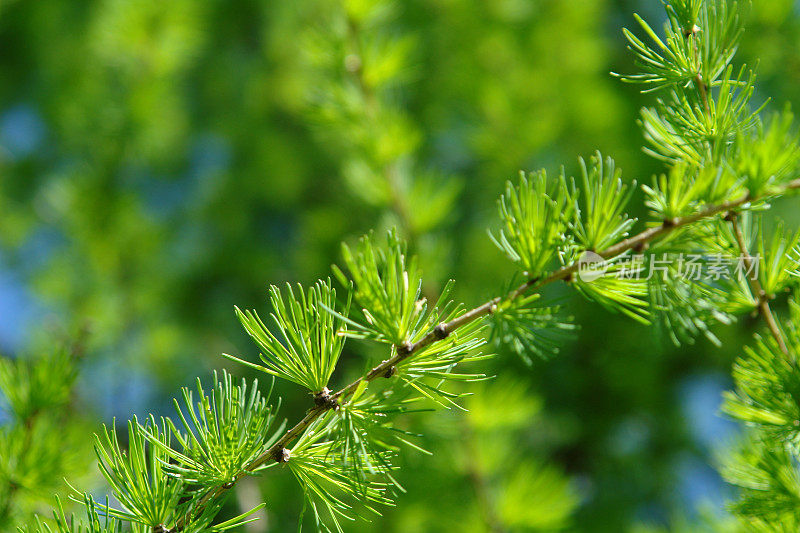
(324, 399)
(694, 30)
(405, 349)
(282, 455)
(440, 332)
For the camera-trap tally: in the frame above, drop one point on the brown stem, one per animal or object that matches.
(755, 285)
(703, 89)
(756, 288)
(388, 366)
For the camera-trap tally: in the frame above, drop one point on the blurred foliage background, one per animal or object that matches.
(161, 162)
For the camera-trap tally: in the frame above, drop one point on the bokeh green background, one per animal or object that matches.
(161, 162)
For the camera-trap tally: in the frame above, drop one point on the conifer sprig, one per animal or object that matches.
(757, 289)
(703, 129)
(99, 520)
(147, 497)
(310, 340)
(724, 134)
(535, 215)
(388, 286)
(443, 329)
(530, 326)
(36, 446)
(600, 219)
(222, 433)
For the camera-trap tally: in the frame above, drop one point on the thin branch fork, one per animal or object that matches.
(442, 330)
(756, 288)
(702, 87)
